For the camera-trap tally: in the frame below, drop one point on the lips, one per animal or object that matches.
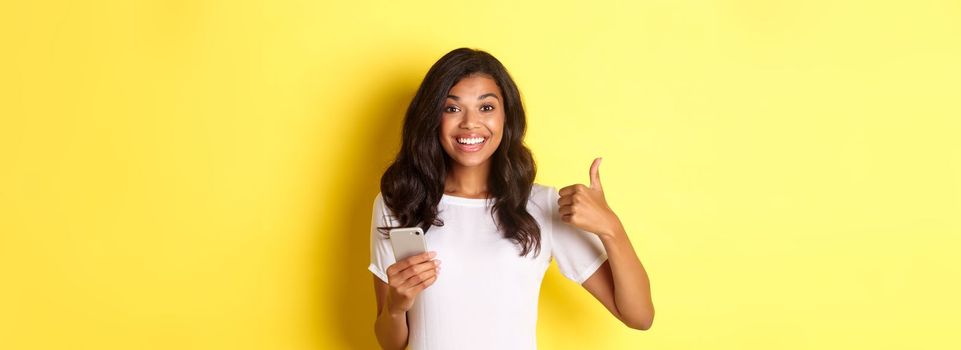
(470, 143)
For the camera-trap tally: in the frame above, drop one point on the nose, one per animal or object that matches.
(471, 120)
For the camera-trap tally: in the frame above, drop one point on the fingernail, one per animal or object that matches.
(436, 262)
(433, 254)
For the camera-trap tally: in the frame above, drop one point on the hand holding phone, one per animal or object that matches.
(415, 269)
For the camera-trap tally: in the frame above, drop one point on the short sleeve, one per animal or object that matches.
(381, 253)
(578, 253)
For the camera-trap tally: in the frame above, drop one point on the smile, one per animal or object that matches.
(470, 144)
(470, 140)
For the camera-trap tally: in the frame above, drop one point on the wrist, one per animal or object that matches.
(394, 312)
(614, 231)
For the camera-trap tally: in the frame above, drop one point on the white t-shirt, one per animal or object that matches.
(486, 294)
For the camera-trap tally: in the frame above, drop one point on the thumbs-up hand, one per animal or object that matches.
(586, 208)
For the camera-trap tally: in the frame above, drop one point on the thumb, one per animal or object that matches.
(595, 176)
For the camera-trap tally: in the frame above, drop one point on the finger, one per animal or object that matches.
(415, 270)
(413, 282)
(408, 262)
(423, 285)
(566, 210)
(420, 278)
(595, 176)
(398, 276)
(565, 200)
(569, 190)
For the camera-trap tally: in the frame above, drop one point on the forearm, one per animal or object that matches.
(632, 289)
(391, 329)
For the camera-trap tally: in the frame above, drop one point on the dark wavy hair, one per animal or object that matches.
(413, 184)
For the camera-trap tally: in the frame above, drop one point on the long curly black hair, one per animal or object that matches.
(413, 184)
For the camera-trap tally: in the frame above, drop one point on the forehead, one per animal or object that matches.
(475, 85)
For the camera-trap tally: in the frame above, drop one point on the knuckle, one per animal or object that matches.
(424, 266)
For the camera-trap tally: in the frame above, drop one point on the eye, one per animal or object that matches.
(451, 109)
(487, 108)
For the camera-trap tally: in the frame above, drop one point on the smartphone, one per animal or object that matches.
(407, 242)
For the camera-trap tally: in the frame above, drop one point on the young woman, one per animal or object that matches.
(465, 177)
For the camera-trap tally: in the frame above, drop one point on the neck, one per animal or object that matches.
(468, 182)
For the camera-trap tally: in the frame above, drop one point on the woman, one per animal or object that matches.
(465, 177)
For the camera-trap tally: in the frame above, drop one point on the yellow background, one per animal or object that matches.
(199, 174)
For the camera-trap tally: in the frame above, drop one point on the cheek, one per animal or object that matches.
(445, 128)
(497, 127)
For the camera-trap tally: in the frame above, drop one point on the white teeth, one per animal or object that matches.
(470, 140)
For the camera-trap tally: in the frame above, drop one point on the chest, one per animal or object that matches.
(471, 247)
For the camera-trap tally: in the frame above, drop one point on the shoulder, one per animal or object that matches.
(539, 188)
(541, 192)
(542, 196)
(379, 205)
(382, 212)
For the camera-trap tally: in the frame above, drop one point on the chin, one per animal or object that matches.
(469, 162)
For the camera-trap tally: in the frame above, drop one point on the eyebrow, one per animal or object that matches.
(489, 94)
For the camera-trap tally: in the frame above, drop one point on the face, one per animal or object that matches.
(472, 121)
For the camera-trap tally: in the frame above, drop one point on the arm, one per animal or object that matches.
(621, 283)
(391, 328)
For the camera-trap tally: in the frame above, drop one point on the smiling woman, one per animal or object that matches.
(453, 100)
(465, 177)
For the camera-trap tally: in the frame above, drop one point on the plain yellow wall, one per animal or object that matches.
(199, 174)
